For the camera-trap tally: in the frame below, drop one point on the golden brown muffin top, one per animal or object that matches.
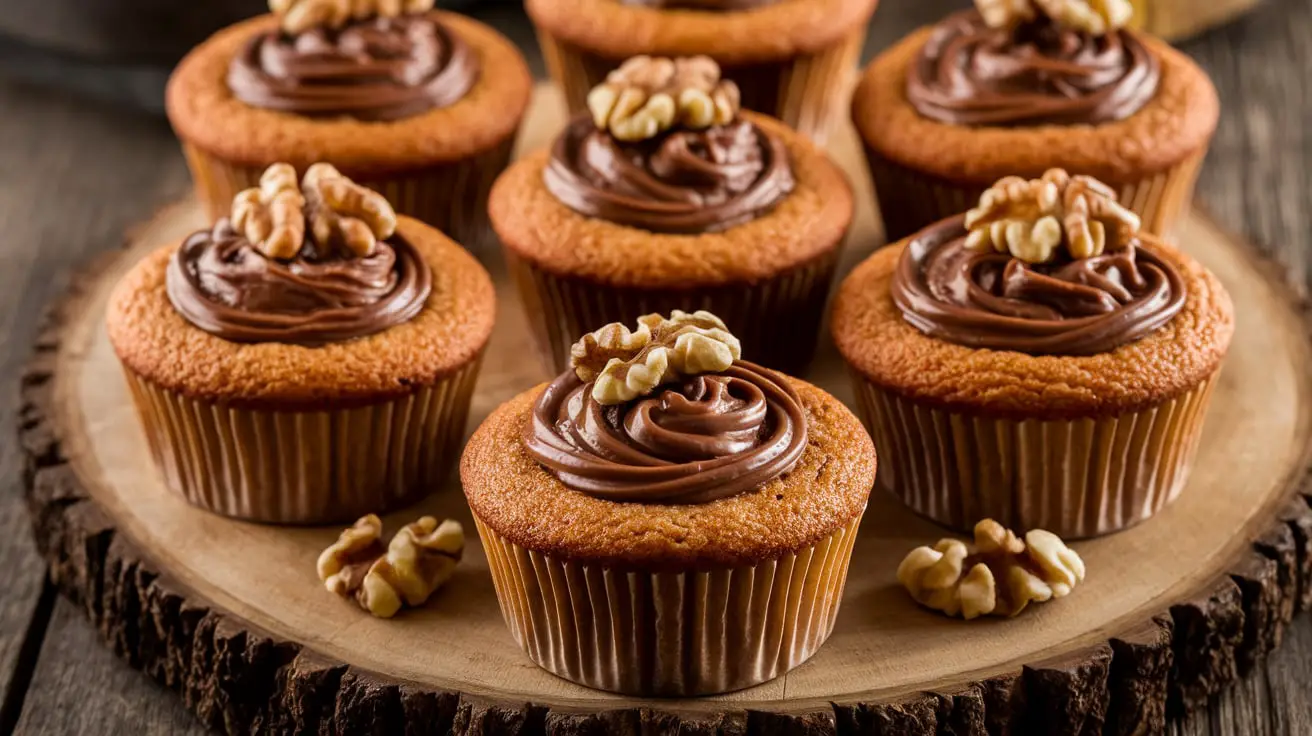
(156, 342)
(873, 337)
(524, 503)
(205, 113)
(1175, 124)
(807, 223)
(779, 30)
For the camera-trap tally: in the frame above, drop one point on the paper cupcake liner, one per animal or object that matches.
(1075, 478)
(670, 633)
(451, 197)
(777, 319)
(910, 200)
(1176, 19)
(305, 467)
(808, 91)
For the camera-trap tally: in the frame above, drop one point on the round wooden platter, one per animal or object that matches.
(232, 616)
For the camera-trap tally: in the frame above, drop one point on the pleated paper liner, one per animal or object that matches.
(910, 200)
(777, 320)
(306, 467)
(808, 92)
(1076, 478)
(451, 197)
(670, 634)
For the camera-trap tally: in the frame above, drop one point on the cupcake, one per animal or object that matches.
(791, 58)
(1017, 88)
(666, 519)
(422, 106)
(666, 196)
(310, 358)
(1039, 361)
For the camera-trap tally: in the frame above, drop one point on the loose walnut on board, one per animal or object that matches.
(624, 365)
(1000, 576)
(418, 561)
(647, 96)
(1034, 219)
(298, 16)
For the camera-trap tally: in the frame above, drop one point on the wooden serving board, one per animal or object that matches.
(232, 616)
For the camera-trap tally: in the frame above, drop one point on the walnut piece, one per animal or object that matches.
(272, 215)
(624, 365)
(647, 96)
(1000, 577)
(1097, 17)
(419, 560)
(1033, 219)
(298, 16)
(343, 213)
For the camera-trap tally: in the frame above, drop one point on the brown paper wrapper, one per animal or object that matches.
(1075, 478)
(777, 320)
(306, 467)
(809, 92)
(451, 197)
(1176, 19)
(670, 634)
(910, 200)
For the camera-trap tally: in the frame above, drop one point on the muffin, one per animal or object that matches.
(791, 58)
(310, 358)
(1039, 360)
(666, 196)
(1019, 88)
(422, 106)
(666, 519)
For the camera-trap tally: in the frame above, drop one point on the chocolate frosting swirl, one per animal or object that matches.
(1038, 73)
(709, 5)
(713, 436)
(686, 181)
(222, 284)
(992, 300)
(376, 69)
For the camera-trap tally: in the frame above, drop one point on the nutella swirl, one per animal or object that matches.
(222, 284)
(377, 69)
(685, 181)
(710, 437)
(1035, 74)
(1071, 307)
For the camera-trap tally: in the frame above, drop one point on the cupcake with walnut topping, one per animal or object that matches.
(311, 358)
(691, 488)
(1039, 361)
(420, 105)
(666, 196)
(1017, 87)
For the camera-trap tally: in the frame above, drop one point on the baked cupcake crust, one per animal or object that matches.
(809, 222)
(777, 31)
(877, 342)
(1177, 123)
(205, 113)
(158, 344)
(524, 503)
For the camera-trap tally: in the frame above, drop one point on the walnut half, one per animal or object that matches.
(1097, 17)
(298, 16)
(647, 96)
(272, 215)
(624, 365)
(418, 561)
(1000, 577)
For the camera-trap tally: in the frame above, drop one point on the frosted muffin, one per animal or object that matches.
(1019, 88)
(693, 488)
(1039, 361)
(310, 358)
(666, 197)
(422, 106)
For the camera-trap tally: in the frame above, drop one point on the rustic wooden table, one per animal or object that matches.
(74, 176)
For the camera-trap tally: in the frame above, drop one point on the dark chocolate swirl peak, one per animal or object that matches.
(1036, 71)
(666, 414)
(1046, 267)
(665, 151)
(325, 61)
(309, 265)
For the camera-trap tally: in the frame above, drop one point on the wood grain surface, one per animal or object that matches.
(74, 176)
